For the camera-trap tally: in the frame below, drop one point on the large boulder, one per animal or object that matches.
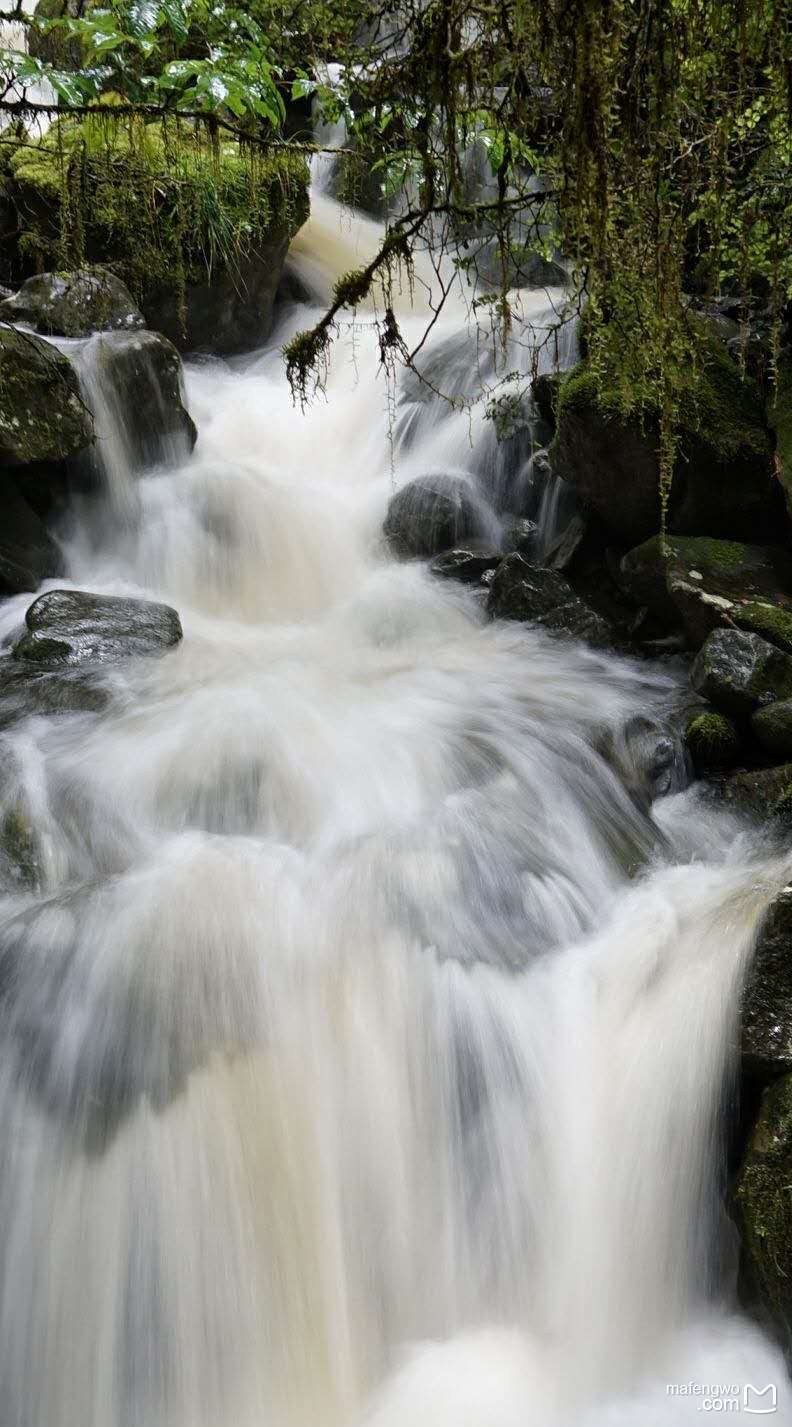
(764, 1208)
(432, 514)
(73, 627)
(767, 1000)
(74, 304)
(42, 414)
(738, 672)
(139, 376)
(537, 595)
(712, 740)
(723, 482)
(704, 584)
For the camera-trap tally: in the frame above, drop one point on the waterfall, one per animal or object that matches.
(364, 1043)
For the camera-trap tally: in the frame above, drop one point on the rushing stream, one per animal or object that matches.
(364, 1052)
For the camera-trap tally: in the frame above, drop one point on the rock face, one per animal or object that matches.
(538, 595)
(764, 1206)
(71, 627)
(738, 672)
(140, 376)
(767, 1000)
(723, 479)
(42, 415)
(706, 584)
(74, 304)
(432, 514)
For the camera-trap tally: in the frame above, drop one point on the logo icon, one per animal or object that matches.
(760, 1399)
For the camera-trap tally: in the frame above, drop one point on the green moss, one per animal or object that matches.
(764, 1203)
(157, 204)
(19, 846)
(712, 741)
(773, 622)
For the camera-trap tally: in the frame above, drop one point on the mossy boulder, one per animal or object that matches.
(779, 416)
(760, 793)
(724, 480)
(74, 304)
(42, 414)
(199, 233)
(739, 672)
(703, 584)
(763, 1200)
(72, 627)
(772, 728)
(713, 742)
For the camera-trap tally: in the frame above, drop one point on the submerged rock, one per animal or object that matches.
(723, 480)
(71, 627)
(706, 584)
(764, 1207)
(42, 414)
(141, 374)
(466, 563)
(738, 672)
(432, 514)
(74, 304)
(27, 689)
(522, 591)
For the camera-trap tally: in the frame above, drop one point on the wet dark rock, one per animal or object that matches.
(764, 1207)
(433, 514)
(532, 593)
(466, 563)
(767, 1000)
(713, 742)
(521, 536)
(28, 553)
(723, 481)
(648, 757)
(772, 728)
(42, 414)
(570, 545)
(143, 371)
(707, 584)
(738, 672)
(72, 627)
(74, 304)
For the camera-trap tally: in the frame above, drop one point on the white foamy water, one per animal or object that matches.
(363, 1050)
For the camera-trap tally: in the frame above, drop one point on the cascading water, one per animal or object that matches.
(364, 1045)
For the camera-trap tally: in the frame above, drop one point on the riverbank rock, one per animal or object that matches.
(433, 514)
(72, 627)
(467, 563)
(764, 1207)
(724, 480)
(142, 373)
(537, 595)
(705, 584)
(738, 672)
(42, 414)
(74, 304)
(766, 1020)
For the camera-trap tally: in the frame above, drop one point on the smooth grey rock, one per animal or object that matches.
(74, 304)
(42, 413)
(73, 627)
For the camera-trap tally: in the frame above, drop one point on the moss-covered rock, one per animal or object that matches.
(42, 414)
(761, 793)
(739, 672)
(772, 728)
(705, 584)
(712, 742)
(724, 474)
(764, 1205)
(766, 1018)
(198, 232)
(74, 304)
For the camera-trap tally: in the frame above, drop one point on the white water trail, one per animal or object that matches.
(362, 1053)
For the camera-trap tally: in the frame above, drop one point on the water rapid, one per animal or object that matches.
(364, 1047)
